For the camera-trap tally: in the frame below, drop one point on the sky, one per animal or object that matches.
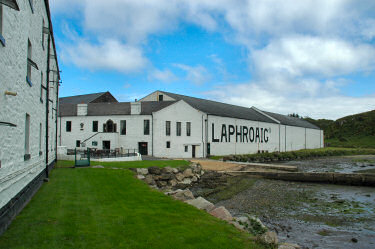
(311, 57)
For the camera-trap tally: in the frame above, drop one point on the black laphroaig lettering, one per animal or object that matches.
(224, 133)
(214, 140)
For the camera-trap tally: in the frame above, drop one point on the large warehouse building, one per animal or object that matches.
(164, 124)
(29, 82)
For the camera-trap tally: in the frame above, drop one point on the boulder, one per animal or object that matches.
(149, 180)
(197, 168)
(186, 181)
(141, 177)
(188, 173)
(167, 170)
(183, 195)
(154, 170)
(288, 246)
(194, 179)
(179, 177)
(201, 203)
(269, 237)
(242, 219)
(161, 184)
(174, 170)
(142, 171)
(221, 213)
(167, 176)
(172, 182)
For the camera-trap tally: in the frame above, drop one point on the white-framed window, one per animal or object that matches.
(146, 127)
(167, 128)
(123, 127)
(178, 129)
(40, 139)
(188, 129)
(27, 137)
(29, 56)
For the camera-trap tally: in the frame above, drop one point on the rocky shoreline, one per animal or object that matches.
(177, 183)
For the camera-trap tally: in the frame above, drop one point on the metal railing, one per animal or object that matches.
(98, 153)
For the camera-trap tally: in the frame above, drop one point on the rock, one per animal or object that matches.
(242, 220)
(354, 240)
(167, 176)
(221, 213)
(201, 203)
(188, 173)
(183, 195)
(288, 246)
(181, 186)
(167, 170)
(186, 181)
(269, 237)
(141, 177)
(142, 171)
(237, 225)
(194, 179)
(174, 170)
(98, 167)
(161, 184)
(180, 177)
(172, 182)
(154, 170)
(149, 180)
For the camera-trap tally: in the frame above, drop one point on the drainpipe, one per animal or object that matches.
(279, 139)
(57, 110)
(47, 93)
(152, 135)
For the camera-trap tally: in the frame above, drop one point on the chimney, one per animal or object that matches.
(135, 108)
(82, 110)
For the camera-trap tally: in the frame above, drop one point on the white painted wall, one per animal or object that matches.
(18, 27)
(178, 112)
(155, 97)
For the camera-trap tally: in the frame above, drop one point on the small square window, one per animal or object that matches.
(78, 143)
(68, 126)
(94, 126)
(161, 97)
(168, 144)
(94, 143)
(186, 148)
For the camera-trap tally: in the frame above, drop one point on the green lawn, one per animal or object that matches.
(106, 208)
(135, 164)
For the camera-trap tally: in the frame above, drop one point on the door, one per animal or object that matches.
(208, 149)
(142, 148)
(106, 145)
(193, 151)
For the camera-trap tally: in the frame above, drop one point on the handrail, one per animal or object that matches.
(91, 137)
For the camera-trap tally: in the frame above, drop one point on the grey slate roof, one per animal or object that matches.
(221, 109)
(292, 121)
(113, 108)
(80, 99)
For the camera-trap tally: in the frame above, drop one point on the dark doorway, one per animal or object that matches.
(208, 149)
(106, 145)
(193, 151)
(142, 148)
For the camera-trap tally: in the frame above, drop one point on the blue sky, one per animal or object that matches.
(316, 58)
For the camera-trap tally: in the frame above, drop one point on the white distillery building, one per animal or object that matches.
(169, 125)
(29, 77)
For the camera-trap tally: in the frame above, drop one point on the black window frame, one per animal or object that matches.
(146, 127)
(188, 129)
(78, 143)
(186, 148)
(178, 129)
(167, 128)
(168, 145)
(122, 127)
(68, 126)
(95, 124)
(161, 97)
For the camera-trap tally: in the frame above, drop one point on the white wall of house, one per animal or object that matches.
(155, 97)
(134, 132)
(183, 113)
(18, 28)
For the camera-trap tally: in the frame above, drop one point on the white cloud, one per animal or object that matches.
(306, 55)
(107, 55)
(197, 74)
(162, 75)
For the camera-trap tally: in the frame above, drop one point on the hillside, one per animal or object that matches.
(352, 131)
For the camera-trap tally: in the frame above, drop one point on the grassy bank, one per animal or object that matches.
(296, 155)
(126, 165)
(106, 208)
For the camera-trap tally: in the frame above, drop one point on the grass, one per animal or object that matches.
(106, 208)
(135, 164)
(352, 142)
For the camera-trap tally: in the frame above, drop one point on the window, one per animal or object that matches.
(123, 127)
(29, 56)
(186, 148)
(167, 128)
(31, 2)
(161, 97)
(188, 129)
(94, 143)
(2, 40)
(27, 137)
(43, 34)
(146, 127)
(41, 87)
(94, 126)
(68, 126)
(40, 139)
(168, 144)
(109, 126)
(78, 143)
(178, 129)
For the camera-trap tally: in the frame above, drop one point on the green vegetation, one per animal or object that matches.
(126, 165)
(105, 208)
(298, 155)
(355, 131)
(324, 232)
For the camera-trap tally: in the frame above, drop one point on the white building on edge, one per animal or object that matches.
(169, 125)
(29, 76)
